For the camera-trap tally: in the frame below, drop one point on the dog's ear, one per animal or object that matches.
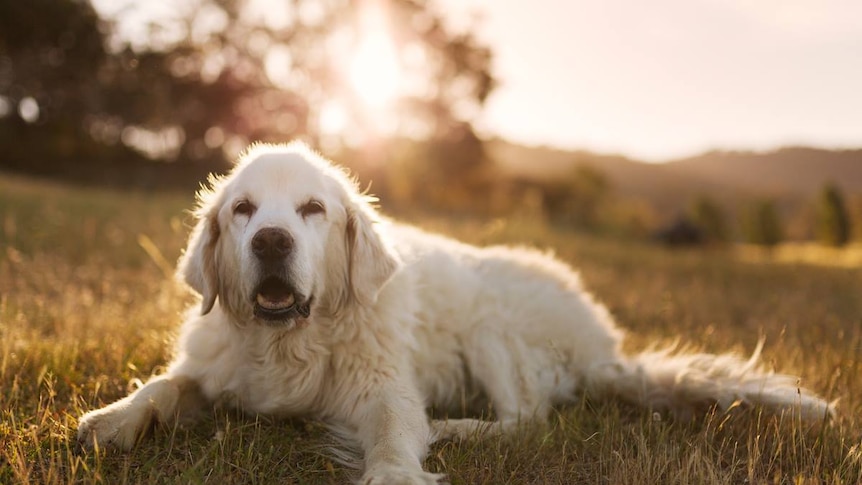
(371, 263)
(197, 265)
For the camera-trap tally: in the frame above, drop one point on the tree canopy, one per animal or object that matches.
(194, 85)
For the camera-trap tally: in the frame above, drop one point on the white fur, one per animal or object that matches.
(401, 320)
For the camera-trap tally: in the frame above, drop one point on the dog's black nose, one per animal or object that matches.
(271, 243)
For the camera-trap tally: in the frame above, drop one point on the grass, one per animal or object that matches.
(87, 306)
(810, 253)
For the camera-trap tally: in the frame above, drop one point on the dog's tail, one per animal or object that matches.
(685, 383)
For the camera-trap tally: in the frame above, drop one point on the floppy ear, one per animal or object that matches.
(197, 265)
(371, 263)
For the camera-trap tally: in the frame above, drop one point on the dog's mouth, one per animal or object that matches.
(276, 301)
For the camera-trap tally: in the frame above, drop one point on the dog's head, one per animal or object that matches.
(283, 236)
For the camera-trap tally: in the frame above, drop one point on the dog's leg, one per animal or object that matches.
(467, 429)
(513, 380)
(394, 433)
(511, 375)
(124, 422)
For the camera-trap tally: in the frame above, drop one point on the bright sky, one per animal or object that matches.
(668, 78)
(653, 80)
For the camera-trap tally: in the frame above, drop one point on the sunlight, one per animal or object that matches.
(374, 74)
(333, 118)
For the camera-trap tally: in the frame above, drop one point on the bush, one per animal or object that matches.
(710, 219)
(762, 224)
(833, 220)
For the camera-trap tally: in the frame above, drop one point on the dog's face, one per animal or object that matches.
(276, 218)
(283, 236)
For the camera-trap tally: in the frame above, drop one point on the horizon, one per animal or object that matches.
(697, 154)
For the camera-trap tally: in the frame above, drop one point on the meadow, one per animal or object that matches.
(88, 307)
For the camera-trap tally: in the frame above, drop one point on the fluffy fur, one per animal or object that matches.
(372, 321)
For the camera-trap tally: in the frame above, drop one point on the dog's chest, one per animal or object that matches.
(271, 374)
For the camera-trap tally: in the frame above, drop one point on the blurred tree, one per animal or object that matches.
(448, 174)
(302, 69)
(48, 81)
(833, 220)
(710, 219)
(762, 224)
(198, 82)
(577, 198)
(855, 211)
(680, 232)
(69, 102)
(51, 61)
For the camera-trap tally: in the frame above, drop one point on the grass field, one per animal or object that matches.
(87, 305)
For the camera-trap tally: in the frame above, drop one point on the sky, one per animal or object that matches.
(663, 79)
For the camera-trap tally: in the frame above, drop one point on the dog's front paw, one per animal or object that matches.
(396, 475)
(119, 425)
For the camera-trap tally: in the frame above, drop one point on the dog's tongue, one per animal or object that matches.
(273, 302)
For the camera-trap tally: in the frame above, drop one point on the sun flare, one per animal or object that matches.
(333, 118)
(374, 73)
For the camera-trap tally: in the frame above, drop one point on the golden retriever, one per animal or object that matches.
(313, 305)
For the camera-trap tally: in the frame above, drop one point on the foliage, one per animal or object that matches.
(454, 174)
(709, 217)
(680, 232)
(53, 60)
(52, 67)
(854, 204)
(833, 220)
(211, 76)
(762, 224)
(578, 198)
(84, 310)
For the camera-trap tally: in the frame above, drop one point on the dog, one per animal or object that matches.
(312, 304)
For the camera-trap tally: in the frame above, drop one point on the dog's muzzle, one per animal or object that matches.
(277, 301)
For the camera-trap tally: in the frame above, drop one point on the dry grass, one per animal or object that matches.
(810, 253)
(86, 307)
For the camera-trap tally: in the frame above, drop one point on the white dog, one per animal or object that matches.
(314, 306)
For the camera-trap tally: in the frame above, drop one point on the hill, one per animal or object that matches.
(791, 174)
(794, 170)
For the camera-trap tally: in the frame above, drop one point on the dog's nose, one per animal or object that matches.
(271, 243)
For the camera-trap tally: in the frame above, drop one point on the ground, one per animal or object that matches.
(88, 306)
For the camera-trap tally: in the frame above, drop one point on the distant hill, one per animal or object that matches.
(797, 170)
(793, 175)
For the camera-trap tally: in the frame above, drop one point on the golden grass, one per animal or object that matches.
(809, 253)
(87, 306)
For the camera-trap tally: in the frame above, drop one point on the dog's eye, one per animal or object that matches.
(243, 207)
(311, 208)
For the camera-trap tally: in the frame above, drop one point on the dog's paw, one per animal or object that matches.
(395, 475)
(119, 426)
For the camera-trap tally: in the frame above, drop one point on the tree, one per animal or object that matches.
(226, 69)
(48, 81)
(710, 219)
(52, 61)
(833, 219)
(577, 198)
(762, 224)
(200, 82)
